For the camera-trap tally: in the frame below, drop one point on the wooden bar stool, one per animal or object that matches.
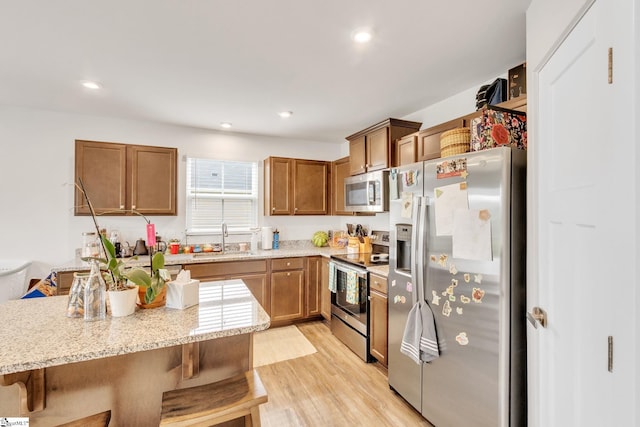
(97, 420)
(215, 403)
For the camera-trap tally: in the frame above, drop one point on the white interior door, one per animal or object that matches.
(585, 258)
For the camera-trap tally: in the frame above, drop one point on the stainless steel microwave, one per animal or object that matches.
(367, 192)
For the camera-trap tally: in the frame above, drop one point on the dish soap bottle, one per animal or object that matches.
(95, 294)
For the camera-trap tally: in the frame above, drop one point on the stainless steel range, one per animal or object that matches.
(350, 301)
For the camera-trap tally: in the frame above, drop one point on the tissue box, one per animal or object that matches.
(183, 294)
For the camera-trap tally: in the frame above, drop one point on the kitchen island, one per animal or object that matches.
(55, 369)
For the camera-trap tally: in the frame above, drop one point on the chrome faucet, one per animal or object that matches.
(225, 234)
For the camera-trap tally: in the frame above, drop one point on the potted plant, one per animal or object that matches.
(151, 287)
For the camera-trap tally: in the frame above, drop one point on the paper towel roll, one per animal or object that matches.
(267, 237)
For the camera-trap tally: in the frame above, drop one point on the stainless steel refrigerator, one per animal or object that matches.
(457, 228)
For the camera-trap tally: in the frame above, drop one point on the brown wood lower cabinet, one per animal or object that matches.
(378, 317)
(287, 293)
(314, 283)
(325, 293)
(254, 274)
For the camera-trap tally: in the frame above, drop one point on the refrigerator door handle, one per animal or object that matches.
(421, 247)
(415, 236)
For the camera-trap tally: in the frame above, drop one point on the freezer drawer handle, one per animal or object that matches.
(537, 315)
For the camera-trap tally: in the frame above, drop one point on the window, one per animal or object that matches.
(220, 191)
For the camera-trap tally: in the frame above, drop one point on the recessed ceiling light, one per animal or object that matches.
(285, 114)
(225, 125)
(362, 36)
(91, 85)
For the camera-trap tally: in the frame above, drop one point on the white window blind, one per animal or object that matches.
(220, 191)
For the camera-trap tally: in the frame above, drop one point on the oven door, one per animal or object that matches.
(348, 306)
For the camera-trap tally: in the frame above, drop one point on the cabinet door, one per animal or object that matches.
(310, 184)
(325, 293)
(258, 284)
(429, 139)
(378, 317)
(378, 150)
(278, 178)
(287, 295)
(102, 168)
(357, 156)
(314, 282)
(407, 150)
(153, 179)
(339, 171)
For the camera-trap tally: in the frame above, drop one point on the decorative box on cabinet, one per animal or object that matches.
(296, 186)
(372, 149)
(122, 177)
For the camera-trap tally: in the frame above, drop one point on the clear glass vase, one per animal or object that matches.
(95, 294)
(75, 306)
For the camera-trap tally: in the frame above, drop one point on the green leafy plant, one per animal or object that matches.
(119, 274)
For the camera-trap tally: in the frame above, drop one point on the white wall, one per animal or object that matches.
(37, 169)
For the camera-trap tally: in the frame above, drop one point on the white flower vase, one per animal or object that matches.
(123, 303)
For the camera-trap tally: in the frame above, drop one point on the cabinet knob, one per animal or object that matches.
(273, 209)
(133, 206)
(295, 209)
(288, 274)
(288, 264)
(121, 206)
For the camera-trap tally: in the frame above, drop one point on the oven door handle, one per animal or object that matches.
(359, 272)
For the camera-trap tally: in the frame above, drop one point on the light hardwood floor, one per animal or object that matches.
(332, 387)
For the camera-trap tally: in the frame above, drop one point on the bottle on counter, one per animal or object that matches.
(95, 294)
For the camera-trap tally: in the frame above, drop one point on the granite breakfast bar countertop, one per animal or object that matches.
(37, 334)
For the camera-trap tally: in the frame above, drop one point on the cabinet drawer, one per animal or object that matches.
(287, 264)
(377, 283)
(229, 268)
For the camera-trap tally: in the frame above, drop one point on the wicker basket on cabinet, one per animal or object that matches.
(455, 141)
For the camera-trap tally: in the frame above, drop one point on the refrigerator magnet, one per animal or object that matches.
(403, 300)
(467, 277)
(393, 283)
(436, 298)
(446, 309)
(477, 295)
(459, 310)
(462, 338)
(433, 258)
(396, 299)
(409, 287)
(477, 278)
(465, 300)
(452, 298)
(452, 269)
(443, 260)
(450, 168)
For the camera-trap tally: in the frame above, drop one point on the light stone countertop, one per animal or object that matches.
(203, 257)
(37, 334)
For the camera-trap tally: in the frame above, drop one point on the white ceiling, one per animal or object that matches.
(202, 62)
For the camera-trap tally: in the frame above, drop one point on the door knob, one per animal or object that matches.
(537, 315)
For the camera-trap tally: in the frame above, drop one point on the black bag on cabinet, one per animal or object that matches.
(492, 94)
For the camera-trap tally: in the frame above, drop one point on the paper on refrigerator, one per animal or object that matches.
(447, 199)
(472, 234)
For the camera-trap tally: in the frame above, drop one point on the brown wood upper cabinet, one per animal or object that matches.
(339, 171)
(121, 177)
(372, 149)
(296, 186)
